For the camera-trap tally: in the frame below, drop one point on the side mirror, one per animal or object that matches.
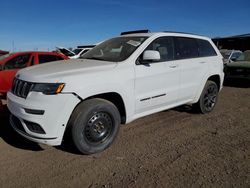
(151, 55)
(1, 67)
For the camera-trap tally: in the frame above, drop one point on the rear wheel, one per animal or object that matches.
(94, 125)
(208, 98)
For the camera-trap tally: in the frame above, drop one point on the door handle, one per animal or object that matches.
(173, 66)
(202, 62)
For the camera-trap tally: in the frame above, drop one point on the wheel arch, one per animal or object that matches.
(215, 78)
(116, 99)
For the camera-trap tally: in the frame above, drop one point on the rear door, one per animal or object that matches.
(157, 83)
(193, 68)
(10, 68)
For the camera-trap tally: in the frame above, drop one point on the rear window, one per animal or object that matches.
(48, 58)
(186, 48)
(205, 48)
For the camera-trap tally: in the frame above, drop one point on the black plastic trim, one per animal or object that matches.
(135, 31)
(33, 111)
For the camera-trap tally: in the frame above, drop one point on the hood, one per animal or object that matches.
(55, 71)
(66, 51)
(239, 64)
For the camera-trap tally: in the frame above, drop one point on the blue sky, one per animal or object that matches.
(44, 24)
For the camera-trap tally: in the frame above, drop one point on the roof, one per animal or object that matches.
(148, 33)
(167, 33)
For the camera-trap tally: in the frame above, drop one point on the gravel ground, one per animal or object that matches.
(174, 148)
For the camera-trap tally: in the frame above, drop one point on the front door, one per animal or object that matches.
(157, 83)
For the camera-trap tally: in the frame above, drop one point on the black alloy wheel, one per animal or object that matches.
(210, 97)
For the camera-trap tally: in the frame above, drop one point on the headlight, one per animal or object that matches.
(48, 89)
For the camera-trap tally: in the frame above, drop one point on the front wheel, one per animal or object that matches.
(208, 98)
(94, 125)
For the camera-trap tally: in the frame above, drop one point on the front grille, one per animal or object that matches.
(21, 88)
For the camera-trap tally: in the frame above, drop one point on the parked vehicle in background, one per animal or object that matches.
(77, 52)
(11, 63)
(230, 55)
(3, 52)
(118, 81)
(240, 68)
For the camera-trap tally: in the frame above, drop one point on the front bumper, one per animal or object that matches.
(57, 110)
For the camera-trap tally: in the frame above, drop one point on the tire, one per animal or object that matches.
(94, 125)
(208, 98)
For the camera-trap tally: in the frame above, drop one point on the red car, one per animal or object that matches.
(11, 63)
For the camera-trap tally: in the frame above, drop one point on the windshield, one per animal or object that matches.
(226, 54)
(116, 49)
(77, 51)
(66, 52)
(4, 56)
(245, 56)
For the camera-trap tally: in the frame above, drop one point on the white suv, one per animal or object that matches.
(118, 81)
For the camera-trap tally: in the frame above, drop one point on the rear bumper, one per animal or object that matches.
(53, 121)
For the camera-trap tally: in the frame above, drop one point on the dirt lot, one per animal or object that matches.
(175, 148)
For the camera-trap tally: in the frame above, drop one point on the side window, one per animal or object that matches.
(47, 58)
(186, 48)
(164, 45)
(18, 62)
(205, 48)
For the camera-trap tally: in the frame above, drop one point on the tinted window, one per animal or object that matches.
(48, 58)
(205, 48)
(186, 48)
(18, 62)
(164, 46)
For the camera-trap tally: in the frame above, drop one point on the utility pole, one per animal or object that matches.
(13, 46)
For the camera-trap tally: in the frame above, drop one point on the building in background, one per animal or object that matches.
(237, 42)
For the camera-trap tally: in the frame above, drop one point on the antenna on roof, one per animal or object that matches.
(135, 31)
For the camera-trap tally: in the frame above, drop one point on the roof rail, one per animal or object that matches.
(135, 31)
(181, 32)
(86, 46)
